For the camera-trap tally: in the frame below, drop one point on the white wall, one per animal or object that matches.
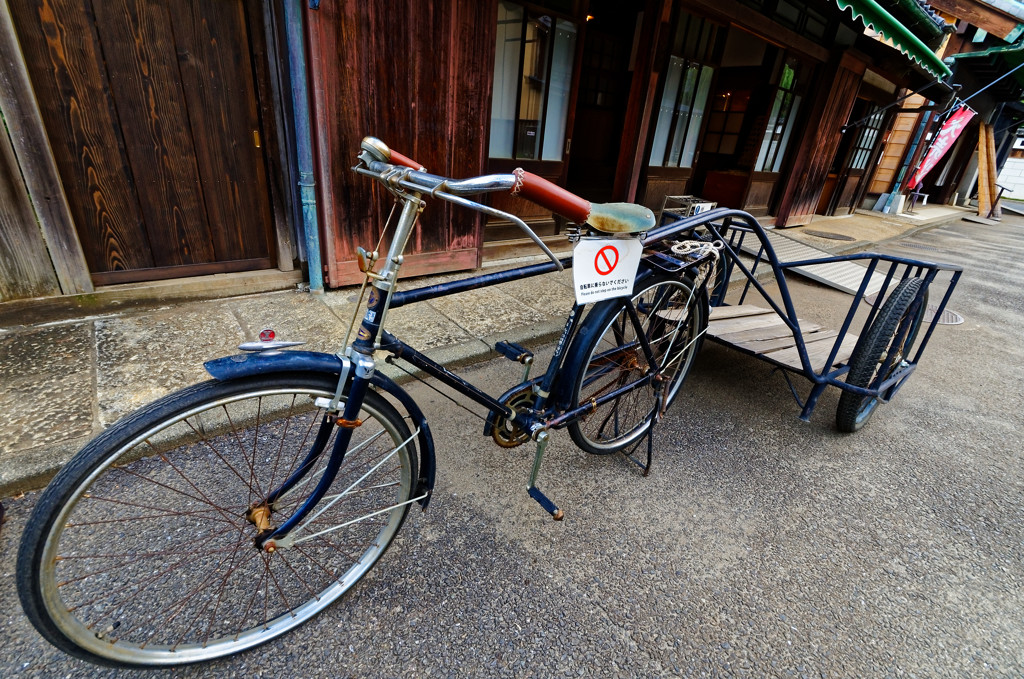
(1012, 177)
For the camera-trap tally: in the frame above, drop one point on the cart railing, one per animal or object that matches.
(757, 260)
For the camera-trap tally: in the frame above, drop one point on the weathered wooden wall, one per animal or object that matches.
(25, 268)
(48, 235)
(418, 76)
(152, 115)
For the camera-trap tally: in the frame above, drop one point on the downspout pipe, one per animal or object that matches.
(303, 141)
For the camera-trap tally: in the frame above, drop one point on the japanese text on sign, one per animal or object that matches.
(605, 268)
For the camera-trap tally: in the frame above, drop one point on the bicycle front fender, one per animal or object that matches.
(247, 365)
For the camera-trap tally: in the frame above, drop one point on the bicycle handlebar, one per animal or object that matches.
(520, 183)
(397, 171)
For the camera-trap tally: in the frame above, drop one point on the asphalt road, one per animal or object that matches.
(758, 546)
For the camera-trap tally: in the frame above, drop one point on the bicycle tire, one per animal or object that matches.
(140, 552)
(882, 338)
(674, 315)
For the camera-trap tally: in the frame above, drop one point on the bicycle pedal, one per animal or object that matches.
(514, 352)
(549, 506)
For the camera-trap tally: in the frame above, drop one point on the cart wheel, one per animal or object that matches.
(882, 351)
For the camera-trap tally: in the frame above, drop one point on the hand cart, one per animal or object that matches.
(869, 366)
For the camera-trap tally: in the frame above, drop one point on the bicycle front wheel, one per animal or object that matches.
(142, 551)
(672, 316)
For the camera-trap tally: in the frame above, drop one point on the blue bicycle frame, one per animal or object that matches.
(357, 367)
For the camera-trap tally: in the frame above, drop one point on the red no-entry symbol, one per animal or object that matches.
(606, 259)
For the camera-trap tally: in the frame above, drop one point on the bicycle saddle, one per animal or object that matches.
(620, 217)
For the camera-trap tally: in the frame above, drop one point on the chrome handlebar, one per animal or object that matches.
(401, 179)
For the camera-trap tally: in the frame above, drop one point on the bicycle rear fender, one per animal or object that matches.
(595, 321)
(247, 365)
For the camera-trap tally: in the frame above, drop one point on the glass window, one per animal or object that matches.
(533, 62)
(780, 121)
(684, 99)
(728, 109)
(865, 143)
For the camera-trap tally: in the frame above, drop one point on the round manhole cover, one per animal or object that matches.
(948, 317)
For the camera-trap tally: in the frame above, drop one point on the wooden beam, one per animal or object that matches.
(32, 148)
(641, 108)
(984, 188)
(993, 189)
(986, 17)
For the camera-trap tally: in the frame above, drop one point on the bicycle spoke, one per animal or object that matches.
(180, 498)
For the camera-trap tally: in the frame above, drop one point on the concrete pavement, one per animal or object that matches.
(759, 546)
(69, 370)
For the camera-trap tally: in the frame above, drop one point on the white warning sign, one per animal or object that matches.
(604, 268)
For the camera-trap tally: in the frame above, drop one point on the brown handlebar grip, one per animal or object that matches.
(553, 197)
(398, 159)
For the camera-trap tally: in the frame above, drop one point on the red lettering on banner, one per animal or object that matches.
(948, 134)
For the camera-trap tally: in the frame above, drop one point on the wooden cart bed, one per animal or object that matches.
(762, 332)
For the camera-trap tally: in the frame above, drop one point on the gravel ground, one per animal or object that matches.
(758, 546)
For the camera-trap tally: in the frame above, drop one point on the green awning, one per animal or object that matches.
(878, 19)
(1002, 60)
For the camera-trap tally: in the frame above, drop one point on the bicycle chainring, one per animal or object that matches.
(506, 433)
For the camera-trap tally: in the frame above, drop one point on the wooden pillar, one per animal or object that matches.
(32, 148)
(642, 106)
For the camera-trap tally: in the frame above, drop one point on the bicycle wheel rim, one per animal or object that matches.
(619, 423)
(103, 637)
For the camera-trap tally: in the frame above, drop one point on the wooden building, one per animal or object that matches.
(151, 139)
(742, 102)
(143, 141)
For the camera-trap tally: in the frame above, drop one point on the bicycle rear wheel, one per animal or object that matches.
(672, 316)
(141, 551)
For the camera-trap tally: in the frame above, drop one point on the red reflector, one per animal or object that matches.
(267, 335)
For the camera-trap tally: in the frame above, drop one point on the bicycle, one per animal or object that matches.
(223, 515)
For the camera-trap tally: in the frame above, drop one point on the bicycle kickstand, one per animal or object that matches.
(542, 499)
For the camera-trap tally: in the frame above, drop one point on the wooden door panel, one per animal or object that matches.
(137, 42)
(423, 104)
(62, 51)
(818, 147)
(213, 53)
(151, 109)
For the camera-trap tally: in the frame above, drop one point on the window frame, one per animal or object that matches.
(532, 11)
(703, 60)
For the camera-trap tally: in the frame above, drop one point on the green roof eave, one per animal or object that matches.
(1006, 50)
(920, 21)
(878, 19)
